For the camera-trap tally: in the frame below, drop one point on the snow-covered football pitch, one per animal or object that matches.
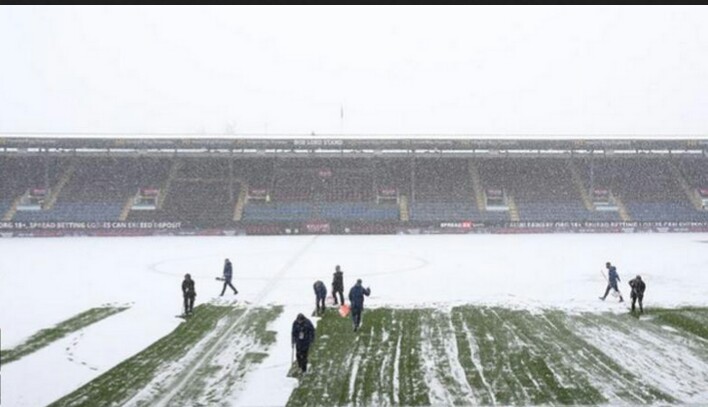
(452, 320)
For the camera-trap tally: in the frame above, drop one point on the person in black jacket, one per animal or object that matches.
(188, 292)
(320, 295)
(338, 285)
(303, 333)
(638, 288)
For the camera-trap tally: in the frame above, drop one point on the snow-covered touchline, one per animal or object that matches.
(189, 373)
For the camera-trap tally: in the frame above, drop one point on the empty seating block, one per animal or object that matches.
(303, 211)
(74, 211)
(453, 211)
(206, 204)
(562, 212)
(665, 212)
(4, 206)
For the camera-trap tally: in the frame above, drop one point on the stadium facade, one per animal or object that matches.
(279, 184)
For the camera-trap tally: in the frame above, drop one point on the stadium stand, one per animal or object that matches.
(320, 189)
(443, 192)
(647, 188)
(97, 190)
(198, 194)
(212, 189)
(22, 174)
(542, 189)
(695, 170)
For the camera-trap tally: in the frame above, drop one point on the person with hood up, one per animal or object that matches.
(612, 279)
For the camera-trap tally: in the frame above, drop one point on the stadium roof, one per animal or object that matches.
(348, 145)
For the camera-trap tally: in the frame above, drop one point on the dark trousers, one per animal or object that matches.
(356, 317)
(611, 286)
(301, 356)
(188, 304)
(320, 304)
(341, 296)
(228, 283)
(634, 299)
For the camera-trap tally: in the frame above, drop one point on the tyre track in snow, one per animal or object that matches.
(188, 375)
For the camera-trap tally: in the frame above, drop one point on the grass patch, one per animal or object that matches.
(467, 356)
(64, 328)
(691, 320)
(244, 348)
(127, 378)
(381, 364)
(522, 358)
(146, 377)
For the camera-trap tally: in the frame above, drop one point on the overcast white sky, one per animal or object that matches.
(477, 70)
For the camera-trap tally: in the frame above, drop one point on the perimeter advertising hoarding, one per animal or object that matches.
(45, 229)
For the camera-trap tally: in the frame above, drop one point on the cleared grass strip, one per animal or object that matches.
(529, 358)
(445, 375)
(381, 364)
(47, 336)
(130, 376)
(246, 346)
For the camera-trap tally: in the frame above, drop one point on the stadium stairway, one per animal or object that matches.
(241, 201)
(126, 208)
(577, 181)
(65, 178)
(622, 209)
(513, 209)
(690, 193)
(174, 170)
(10, 213)
(403, 212)
(477, 186)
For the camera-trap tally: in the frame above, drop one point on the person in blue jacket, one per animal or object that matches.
(303, 334)
(320, 295)
(612, 279)
(228, 274)
(356, 302)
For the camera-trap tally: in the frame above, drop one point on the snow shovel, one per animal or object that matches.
(294, 368)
